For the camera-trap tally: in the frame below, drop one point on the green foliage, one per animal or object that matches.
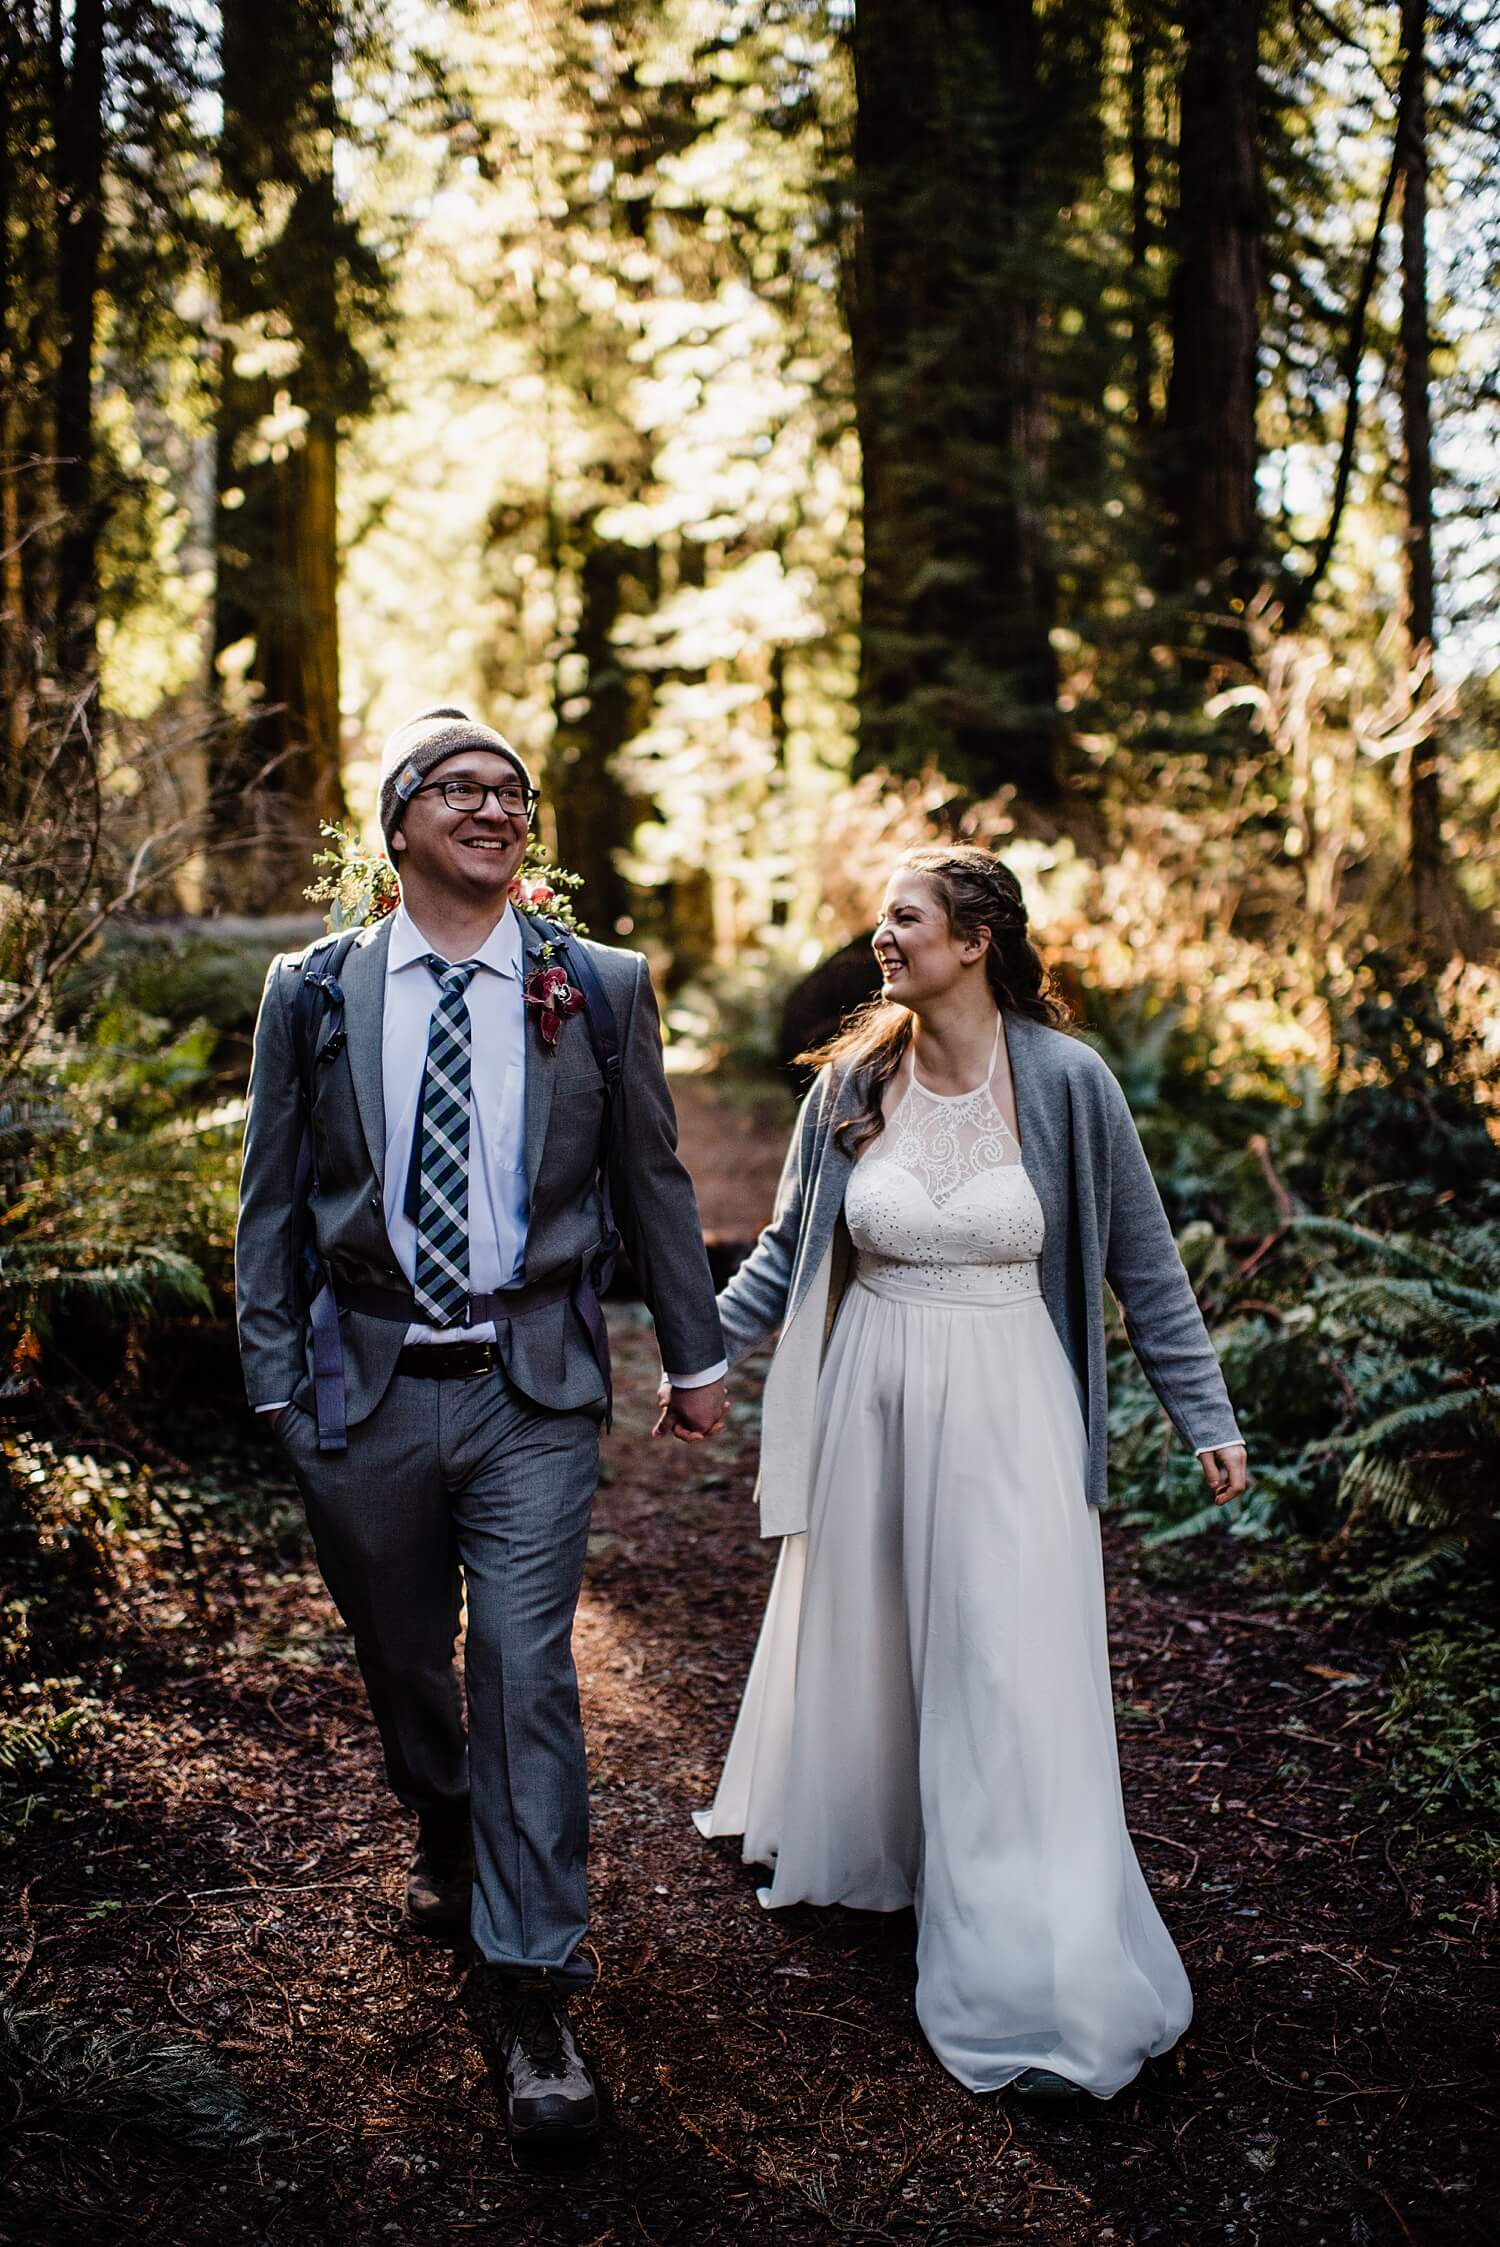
(122, 1204)
(95, 2082)
(31, 1744)
(1361, 1346)
(1366, 1376)
(1439, 1733)
(1417, 1333)
(1407, 1071)
(45, 1283)
(193, 980)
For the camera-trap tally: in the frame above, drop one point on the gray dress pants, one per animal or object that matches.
(451, 1482)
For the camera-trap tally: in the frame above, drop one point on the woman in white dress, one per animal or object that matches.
(928, 1721)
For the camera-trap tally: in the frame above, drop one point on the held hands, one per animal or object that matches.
(1227, 1472)
(692, 1414)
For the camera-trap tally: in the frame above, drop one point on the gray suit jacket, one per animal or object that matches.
(1105, 1226)
(547, 1354)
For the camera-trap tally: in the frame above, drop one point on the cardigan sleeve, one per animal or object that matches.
(753, 1304)
(1147, 1275)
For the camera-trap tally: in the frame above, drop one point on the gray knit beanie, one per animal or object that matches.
(424, 741)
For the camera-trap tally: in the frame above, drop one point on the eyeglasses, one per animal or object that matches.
(514, 798)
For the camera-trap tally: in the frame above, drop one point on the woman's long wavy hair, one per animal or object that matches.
(976, 891)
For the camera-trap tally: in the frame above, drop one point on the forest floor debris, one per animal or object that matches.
(220, 1867)
(204, 1889)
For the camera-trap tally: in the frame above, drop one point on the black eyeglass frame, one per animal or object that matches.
(531, 796)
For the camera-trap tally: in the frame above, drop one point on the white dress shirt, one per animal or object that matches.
(499, 1197)
(498, 1194)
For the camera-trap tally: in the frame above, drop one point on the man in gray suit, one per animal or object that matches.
(455, 1209)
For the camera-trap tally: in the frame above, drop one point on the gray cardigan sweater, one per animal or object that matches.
(1105, 1225)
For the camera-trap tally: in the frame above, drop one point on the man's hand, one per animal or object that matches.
(692, 1414)
(1227, 1472)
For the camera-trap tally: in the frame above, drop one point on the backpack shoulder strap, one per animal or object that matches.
(604, 1036)
(317, 1030)
(604, 1031)
(319, 1000)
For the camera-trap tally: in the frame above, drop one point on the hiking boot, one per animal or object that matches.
(1041, 2084)
(440, 1877)
(551, 2099)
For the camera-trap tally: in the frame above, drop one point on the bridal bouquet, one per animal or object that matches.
(358, 885)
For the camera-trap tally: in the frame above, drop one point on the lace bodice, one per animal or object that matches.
(940, 1206)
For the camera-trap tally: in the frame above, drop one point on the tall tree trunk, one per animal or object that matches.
(589, 804)
(28, 393)
(28, 362)
(1424, 808)
(1142, 341)
(1210, 454)
(957, 667)
(15, 663)
(79, 137)
(275, 515)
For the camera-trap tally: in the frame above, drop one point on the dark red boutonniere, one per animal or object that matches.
(554, 998)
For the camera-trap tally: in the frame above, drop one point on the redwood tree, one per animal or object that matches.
(289, 371)
(79, 132)
(1209, 454)
(957, 667)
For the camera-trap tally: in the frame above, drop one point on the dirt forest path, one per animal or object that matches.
(231, 1875)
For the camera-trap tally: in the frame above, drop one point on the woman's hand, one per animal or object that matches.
(691, 1414)
(1226, 1471)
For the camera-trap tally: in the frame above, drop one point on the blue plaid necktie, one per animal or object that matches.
(441, 1285)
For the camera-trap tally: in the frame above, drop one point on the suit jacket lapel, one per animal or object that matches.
(541, 1070)
(363, 979)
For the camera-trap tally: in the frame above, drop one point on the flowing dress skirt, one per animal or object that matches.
(929, 1720)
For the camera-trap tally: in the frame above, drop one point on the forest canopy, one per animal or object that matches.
(794, 424)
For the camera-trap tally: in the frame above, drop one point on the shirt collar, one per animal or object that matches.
(500, 951)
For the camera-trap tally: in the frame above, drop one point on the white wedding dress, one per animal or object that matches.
(928, 1720)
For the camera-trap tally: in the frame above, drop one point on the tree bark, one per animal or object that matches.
(28, 507)
(79, 139)
(1424, 806)
(15, 663)
(1210, 454)
(957, 667)
(588, 803)
(275, 515)
(1142, 338)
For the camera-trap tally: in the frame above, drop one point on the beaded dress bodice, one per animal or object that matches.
(940, 1207)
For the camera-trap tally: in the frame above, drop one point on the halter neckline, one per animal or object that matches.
(984, 1085)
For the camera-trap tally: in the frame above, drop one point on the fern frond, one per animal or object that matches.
(103, 2080)
(1410, 1252)
(1192, 1525)
(31, 1745)
(1425, 1414)
(1408, 1494)
(1420, 1567)
(40, 1280)
(1440, 1319)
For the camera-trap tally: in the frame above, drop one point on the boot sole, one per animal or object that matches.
(551, 2146)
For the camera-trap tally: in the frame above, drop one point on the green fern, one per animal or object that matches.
(94, 2082)
(42, 1281)
(1458, 1412)
(30, 1746)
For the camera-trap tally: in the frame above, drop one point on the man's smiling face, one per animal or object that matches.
(472, 855)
